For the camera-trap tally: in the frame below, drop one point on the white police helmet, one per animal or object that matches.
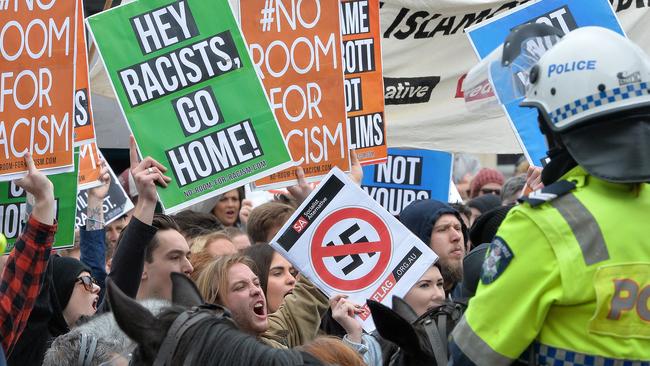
(590, 73)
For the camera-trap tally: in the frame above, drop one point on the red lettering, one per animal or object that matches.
(459, 87)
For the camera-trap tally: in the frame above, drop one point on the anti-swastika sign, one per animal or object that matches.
(346, 243)
(328, 255)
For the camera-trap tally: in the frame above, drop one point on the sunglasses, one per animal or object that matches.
(88, 282)
(491, 191)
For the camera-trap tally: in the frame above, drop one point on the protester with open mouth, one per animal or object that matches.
(277, 276)
(228, 207)
(231, 281)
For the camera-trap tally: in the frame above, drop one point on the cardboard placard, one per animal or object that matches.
(345, 243)
(37, 67)
(84, 126)
(408, 175)
(116, 202)
(192, 99)
(364, 82)
(296, 49)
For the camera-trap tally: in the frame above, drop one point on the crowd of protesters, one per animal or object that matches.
(224, 250)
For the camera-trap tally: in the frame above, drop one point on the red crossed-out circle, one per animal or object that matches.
(382, 247)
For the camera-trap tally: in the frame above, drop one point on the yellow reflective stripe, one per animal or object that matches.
(585, 228)
(475, 348)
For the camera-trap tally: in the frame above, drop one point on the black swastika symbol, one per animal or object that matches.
(345, 239)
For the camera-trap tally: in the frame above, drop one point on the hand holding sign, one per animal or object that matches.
(534, 178)
(37, 184)
(100, 192)
(95, 209)
(245, 211)
(301, 190)
(356, 171)
(146, 174)
(343, 311)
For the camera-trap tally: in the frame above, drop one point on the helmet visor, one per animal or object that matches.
(515, 75)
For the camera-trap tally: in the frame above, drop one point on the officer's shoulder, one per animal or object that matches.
(548, 193)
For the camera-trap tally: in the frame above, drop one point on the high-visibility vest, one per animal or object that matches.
(571, 276)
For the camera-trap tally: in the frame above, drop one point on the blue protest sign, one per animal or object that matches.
(408, 175)
(564, 15)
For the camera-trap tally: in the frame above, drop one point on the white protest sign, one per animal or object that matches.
(346, 243)
(116, 203)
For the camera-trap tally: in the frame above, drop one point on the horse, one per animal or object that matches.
(407, 339)
(191, 332)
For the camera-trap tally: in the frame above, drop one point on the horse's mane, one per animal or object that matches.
(217, 341)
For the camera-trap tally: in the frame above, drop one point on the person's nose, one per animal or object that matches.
(290, 280)
(456, 235)
(187, 267)
(255, 290)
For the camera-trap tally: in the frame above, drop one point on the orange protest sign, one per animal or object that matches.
(296, 49)
(89, 167)
(37, 60)
(364, 81)
(84, 128)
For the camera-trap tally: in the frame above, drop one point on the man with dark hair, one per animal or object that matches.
(443, 229)
(194, 223)
(166, 252)
(266, 220)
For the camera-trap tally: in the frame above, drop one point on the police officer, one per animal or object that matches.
(569, 272)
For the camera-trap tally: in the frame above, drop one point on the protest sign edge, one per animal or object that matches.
(229, 187)
(85, 50)
(383, 88)
(91, 185)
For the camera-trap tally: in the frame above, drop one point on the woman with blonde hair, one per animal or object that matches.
(216, 243)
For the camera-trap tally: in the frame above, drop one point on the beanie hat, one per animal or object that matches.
(65, 271)
(420, 216)
(485, 176)
(486, 226)
(485, 202)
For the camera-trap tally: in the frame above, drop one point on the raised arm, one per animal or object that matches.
(93, 236)
(128, 260)
(27, 262)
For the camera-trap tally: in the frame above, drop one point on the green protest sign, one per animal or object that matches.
(189, 91)
(14, 210)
